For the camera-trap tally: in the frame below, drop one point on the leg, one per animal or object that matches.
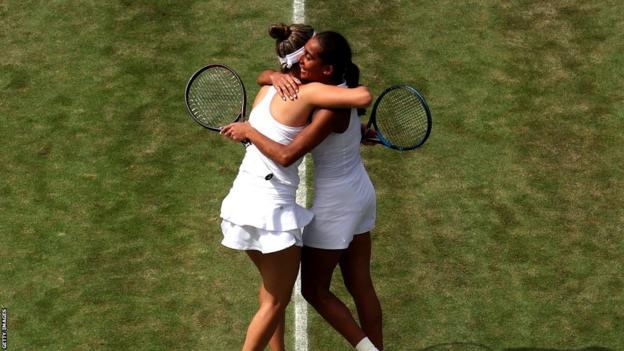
(317, 268)
(355, 266)
(276, 343)
(279, 272)
(277, 339)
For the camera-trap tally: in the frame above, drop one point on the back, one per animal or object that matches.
(255, 164)
(293, 113)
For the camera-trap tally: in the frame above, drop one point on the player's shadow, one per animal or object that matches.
(467, 346)
(590, 348)
(458, 346)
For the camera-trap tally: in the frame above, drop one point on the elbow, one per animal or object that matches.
(286, 159)
(367, 98)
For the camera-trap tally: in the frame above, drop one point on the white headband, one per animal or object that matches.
(291, 58)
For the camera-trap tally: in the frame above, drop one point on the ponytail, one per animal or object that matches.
(352, 75)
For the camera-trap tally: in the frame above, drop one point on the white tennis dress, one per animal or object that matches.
(344, 197)
(259, 214)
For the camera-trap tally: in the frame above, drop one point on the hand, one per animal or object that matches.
(236, 131)
(367, 135)
(286, 85)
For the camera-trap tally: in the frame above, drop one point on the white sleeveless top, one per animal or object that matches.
(338, 156)
(344, 197)
(263, 204)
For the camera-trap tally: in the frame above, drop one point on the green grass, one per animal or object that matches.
(109, 192)
(504, 230)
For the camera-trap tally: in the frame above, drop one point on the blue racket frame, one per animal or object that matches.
(373, 120)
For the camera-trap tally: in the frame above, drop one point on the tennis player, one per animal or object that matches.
(344, 202)
(261, 216)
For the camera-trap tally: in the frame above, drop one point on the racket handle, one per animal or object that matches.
(371, 141)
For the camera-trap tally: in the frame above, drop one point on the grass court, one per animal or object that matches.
(504, 230)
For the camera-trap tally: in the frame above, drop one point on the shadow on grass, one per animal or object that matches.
(590, 348)
(468, 346)
(457, 346)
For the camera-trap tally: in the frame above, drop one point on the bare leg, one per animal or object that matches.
(279, 271)
(355, 266)
(317, 268)
(276, 343)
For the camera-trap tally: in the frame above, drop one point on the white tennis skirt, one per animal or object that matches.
(245, 237)
(341, 210)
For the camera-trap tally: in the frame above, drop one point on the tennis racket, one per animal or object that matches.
(400, 118)
(215, 97)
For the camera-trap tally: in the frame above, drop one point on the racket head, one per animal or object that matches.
(401, 118)
(215, 96)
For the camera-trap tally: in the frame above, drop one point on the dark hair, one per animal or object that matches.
(290, 38)
(335, 51)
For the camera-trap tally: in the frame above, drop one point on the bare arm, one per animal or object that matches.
(321, 95)
(264, 78)
(286, 85)
(312, 135)
(330, 96)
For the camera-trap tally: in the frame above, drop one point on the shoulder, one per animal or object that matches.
(264, 90)
(312, 86)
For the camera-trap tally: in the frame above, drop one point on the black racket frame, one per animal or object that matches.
(240, 117)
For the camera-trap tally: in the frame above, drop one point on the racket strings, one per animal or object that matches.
(401, 118)
(215, 97)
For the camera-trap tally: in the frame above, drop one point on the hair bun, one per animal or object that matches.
(279, 31)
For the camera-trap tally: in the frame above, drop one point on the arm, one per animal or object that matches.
(312, 135)
(264, 78)
(286, 85)
(330, 96)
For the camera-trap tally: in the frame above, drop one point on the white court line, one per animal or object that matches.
(301, 306)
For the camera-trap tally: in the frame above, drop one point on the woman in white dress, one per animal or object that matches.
(261, 216)
(344, 197)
